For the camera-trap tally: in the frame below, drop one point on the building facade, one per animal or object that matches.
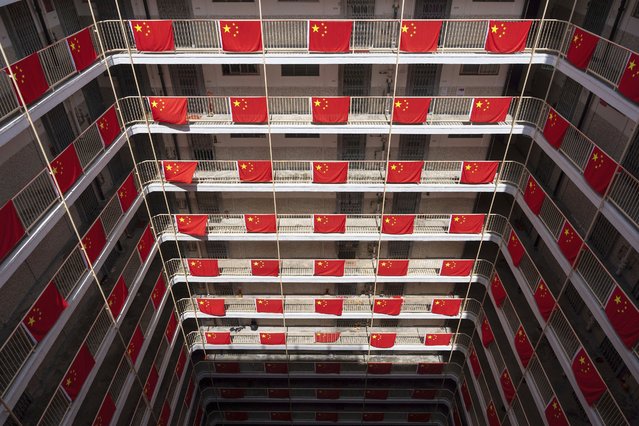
(312, 212)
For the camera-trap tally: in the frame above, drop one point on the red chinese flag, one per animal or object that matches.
(179, 171)
(388, 306)
(218, 338)
(487, 336)
(135, 344)
(474, 363)
(82, 50)
(212, 307)
(249, 110)
(330, 172)
(255, 171)
(507, 386)
(523, 347)
(424, 394)
(477, 172)
(379, 367)
(438, 339)
(599, 170)
(448, 307)
(376, 394)
(45, 312)
(29, 78)
(192, 224)
(117, 298)
(466, 395)
(227, 367)
(588, 379)
(78, 372)
(383, 340)
(430, 367)
(404, 171)
(265, 268)
(329, 223)
(515, 248)
(331, 110)
(581, 48)
(489, 110)
(106, 412)
(276, 368)
(545, 300)
(151, 382)
(145, 245)
(466, 223)
(327, 393)
(171, 326)
(153, 36)
(204, 267)
(165, 414)
(329, 306)
(327, 367)
(241, 36)
(569, 242)
(279, 393)
(11, 229)
(283, 416)
(109, 126)
(169, 110)
(233, 393)
(127, 193)
(327, 337)
(398, 224)
(188, 396)
(158, 292)
(554, 414)
(329, 268)
(373, 417)
(629, 82)
(623, 316)
(555, 128)
(392, 268)
(236, 416)
(507, 36)
(419, 36)
(491, 413)
(179, 365)
(273, 338)
(94, 241)
(260, 223)
(410, 110)
(497, 290)
(326, 417)
(329, 36)
(418, 417)
(456, 268)
(269, 306)
(66, 168)
(534, 196)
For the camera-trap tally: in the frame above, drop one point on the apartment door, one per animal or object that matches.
(413, 147)
(596, 15)
(68, 16)
(22, 29)
(174, 9)
(406, 202)
(351, 147)
(422, 80)
(360, 9)
(432, 9)
(56, 124)
(356, 79)
(187, 80)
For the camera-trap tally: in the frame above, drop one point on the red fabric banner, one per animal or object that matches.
(279, 393)
(180, 364)
(106, 412)
(388, 306)
(109, 126)
(145, 245)
(477, 172)
(430, 367)
(283, 416)
(153, 36)
(236, 416)
(491, 413)
(227, 367)
(466, 395)
(276, 368)
(249, 110)
(379, 367)
(534, 196)
(204, 267)
(94, 241)
(376, 394)
(329, 268)
(599, 170)
(330, 172)
(487, 336)
(168, 110)
(171, 326)
(329, 223)
(629, 82)
(497, 290)
(78, 372)
(544, 300)
(66, 168)
(623, 316)
(327, 367)
(588, 379)
(269, 306)
(327, 393)
(555, 129)
(456, 268)
(241, 36)
(11, 229)
(327, 337)
(383, 340)
(151, 382)
(554, 414)
(582, 47)
(158, 292)
(117, 298)
(82, 50)
(507, 386)
(523, 346)
(179, 171)
(260, 223)
(45, 312)
(410, 110)
(329, 306)
(326, 417)
(507, 36)
(165, 414)
(331, 110)
(373, 417)
(419, 36)
(448, 307)
(418, 417)
(404, 171)
(438, 339)
(213, 307)
(329, 36)
(218, 337)
(515, 248)
(569, 242)
(398, 224)
(466, 223)
(424, 393)
(265, 268)
(233, 393)
(29, 78)
(474, 363)
(255, 171)
(489, 110)
(127, 193)
(192, 224)
(392, 268)
(135, 344)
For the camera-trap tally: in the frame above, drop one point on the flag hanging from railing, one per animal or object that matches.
(109, 126)
(94, 241)
(273, 338)
(66, 168)
(329, 306)
(179, 171)
(82, 50)
(515, 248)
(276, 368)
(587, 377)
(117, 298)
(106, 412)
(260, 223)
(569, 242)
(379, 367)
(489, 110)
(281, 416)
(474, 362)
(330, 172)
(165, 414)
(145, 245)
(544, 300)
(227, 367)
(279, 393)
(491, 413)
(218, 337)
(430, 367)
(169, 110)
(554, 414)
(523, 346)
(327, 367)
(241, 36)
(29, 78)
(419, 36)
(623, 316)
(329, 268)
(213, 307)
(135, 344)
(447, 307)
(269, 306)
(466, 223)
(456, 268)
(153, 36)
(398, 224)
(392, 268)
(170, 328)
(497, 290)
(204, 267)
(151, 382)
(265, 268)
(534, 196)
(327, 393)
(478, 172)
(249, 110)
(582, 47)
(127, 193)
(507, 386)
(629, 82)
(330, 110)
(11, 228)
(383, 340)
(373, 417)
(404, 171)
(410, 110)
(599, 170)
(329, 36)
(507, 36)
(438, 339)
(78, 372)
(192, 224)
(330, 337)
(236, 416)
(380, 394)
(391, 306)
(555, 128)
(255, 171)
(45, 312)
(158, 292)
(487, 336)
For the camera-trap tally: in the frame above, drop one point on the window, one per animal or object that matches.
(300, 70)
(239, 69)
(479, 69)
